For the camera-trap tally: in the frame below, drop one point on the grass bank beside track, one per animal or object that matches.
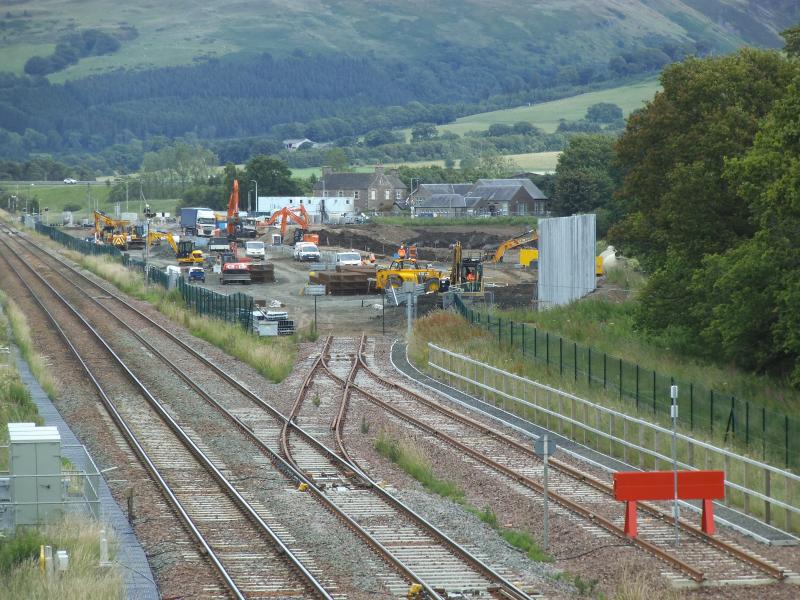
(449, 330)
(271, 357)
(413, 461)
(80, 537)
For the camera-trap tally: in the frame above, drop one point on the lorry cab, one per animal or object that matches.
(255, 250)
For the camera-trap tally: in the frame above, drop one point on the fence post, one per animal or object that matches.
(691, 407)
(747, 425)
(605, 379)
(654, 392)
(511, 324)
(575, 359)
(620, 379)
(523, 339)
(637, 387)
(711, 426)
(589, 376)
(500, 330)
(547, 347)
(560, 355)
(763, 433)
(535, 342)
(786, 438)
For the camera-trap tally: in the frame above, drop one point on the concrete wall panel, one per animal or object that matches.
(566, 259)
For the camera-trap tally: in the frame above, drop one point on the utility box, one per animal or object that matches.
(35, 473)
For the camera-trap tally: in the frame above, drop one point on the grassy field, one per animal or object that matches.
(57, 196)
(547, 114)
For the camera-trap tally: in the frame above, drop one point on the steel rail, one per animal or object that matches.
(238, 499)
(536, 486)
(288, 467)
(332, 455)
(135, 445)
(507, 588)
(291, 467)
(737, 553)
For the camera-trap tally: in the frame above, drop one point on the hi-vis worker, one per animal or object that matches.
(470, 276)
(401, 252)
(372, 258)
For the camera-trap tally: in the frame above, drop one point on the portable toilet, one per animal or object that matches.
(35, 473)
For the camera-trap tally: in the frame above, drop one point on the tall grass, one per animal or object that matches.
(271, 357)
(21, 332)
(84, 580)
(607, 325)
(411, 459)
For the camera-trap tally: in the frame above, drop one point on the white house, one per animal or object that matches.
(320, 209)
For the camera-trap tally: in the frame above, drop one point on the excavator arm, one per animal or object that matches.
(515, 242)
(233, 209)
(287, 214)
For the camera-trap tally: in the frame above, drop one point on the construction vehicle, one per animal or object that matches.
(185, 252)
(298, 215)
(531, 237)
(526, 238)
(110, 231)
(403, 270)
(234, 270)
(466, 272)
(234, 223)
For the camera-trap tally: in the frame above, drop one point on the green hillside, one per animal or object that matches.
(180, 31)
(546, 115)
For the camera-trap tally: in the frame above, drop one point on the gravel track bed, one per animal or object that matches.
(316, 530)
(603, 564)
(178, 567)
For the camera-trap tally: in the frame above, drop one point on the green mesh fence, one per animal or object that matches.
(236, 308)
(768, 434)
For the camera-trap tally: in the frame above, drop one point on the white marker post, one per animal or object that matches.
(545, 448)
(673, 413)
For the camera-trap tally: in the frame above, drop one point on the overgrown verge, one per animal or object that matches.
(21, 333)
(271, 357)
(84, 580)
(607, 324)
(412, 460)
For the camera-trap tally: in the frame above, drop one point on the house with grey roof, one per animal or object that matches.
(484, 197)
(372, 192)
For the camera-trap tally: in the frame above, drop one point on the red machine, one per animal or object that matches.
(234, 225)
(300, 217)
(631, 486)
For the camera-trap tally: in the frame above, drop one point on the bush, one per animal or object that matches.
(22, 546)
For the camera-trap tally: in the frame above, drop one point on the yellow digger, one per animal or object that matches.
(531, 237)
(185, 252)
(404, 269)
(110, 231)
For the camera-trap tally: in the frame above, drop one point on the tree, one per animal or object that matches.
(749, 297)
(273, 176)
(423, 131)
(791, 38)
(336, 159)
(603, 112)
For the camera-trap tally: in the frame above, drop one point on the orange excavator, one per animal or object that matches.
(300, 217)
(234, 225)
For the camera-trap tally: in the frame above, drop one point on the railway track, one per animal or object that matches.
(347, 494)
(700, 560)
(446, 568)
(250, 558)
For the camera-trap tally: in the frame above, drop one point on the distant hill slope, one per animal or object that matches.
(548, 33)
(329, 70)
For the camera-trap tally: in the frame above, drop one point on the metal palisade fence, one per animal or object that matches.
(236, 308)
(724, 418)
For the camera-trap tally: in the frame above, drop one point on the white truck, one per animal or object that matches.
(254, 250)
(206, 223)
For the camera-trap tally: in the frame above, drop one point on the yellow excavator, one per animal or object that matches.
(185, 252)
(515, 242)
(531, 237)
(110, 231)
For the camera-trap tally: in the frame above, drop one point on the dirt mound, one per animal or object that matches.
(514, 296)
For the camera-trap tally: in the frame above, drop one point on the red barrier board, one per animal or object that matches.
(658, 485)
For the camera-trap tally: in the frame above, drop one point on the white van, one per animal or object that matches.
(254, 250)
(348, 259)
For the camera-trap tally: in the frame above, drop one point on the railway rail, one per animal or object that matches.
(265, 421)
(701, 559)
(249, 556)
